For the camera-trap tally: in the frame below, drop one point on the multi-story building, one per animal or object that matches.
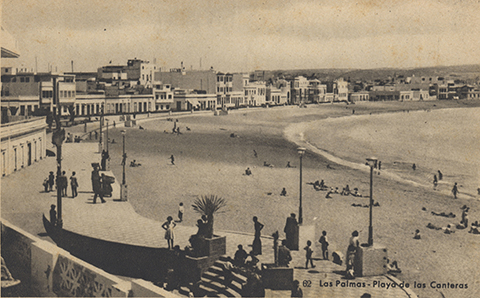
(189, 100)
(136, 70)
(255, 93)
(23, 138)
(316, 91)
(359, 96)
(164, 97)
(23, 93)
(299, 90)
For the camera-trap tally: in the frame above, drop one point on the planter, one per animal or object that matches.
(277, 278)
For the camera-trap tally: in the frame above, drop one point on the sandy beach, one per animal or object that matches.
(213, 153)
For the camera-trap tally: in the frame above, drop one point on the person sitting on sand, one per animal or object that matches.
(417, 235)
(474, 229)
(248, 172)
(345, 191)
(329, 193)
(448, 229)
(134, 163)
(393, 267)
(284, 192)
(289, 165)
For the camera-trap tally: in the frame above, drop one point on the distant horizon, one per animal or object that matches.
(234, 36)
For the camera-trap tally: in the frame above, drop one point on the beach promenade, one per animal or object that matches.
(23, 202)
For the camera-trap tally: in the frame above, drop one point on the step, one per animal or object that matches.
(236, 277)
(234, 285)
(218, 288)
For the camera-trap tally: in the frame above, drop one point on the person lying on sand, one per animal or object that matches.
(134, 163)
(356, 193)
(329, 193)
(266, 164)
(433, 227)
(449, 215)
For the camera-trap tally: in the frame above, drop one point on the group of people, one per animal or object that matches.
(61, 183)
(99, 184)
(345, 192)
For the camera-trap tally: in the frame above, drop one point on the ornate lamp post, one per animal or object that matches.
(100, 139)
(123, 188)
(372, 163)
(106, 148)
(301, 152)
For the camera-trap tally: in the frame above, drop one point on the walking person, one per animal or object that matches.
(172, 159)
(51, 180)
(455, 190)
(257, 242)
(435, 182)
(324, 241)
(74, 185)
(168, 226)
(181, 210)
(97, 185)
(308, 254)
(440, 175)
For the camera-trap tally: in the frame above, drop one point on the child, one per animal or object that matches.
(308, 254)
(181, 210)
(324, 241)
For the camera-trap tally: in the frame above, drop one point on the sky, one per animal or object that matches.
(241, 36)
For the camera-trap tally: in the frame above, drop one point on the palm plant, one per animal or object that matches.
(208, 205)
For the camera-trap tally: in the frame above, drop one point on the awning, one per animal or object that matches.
(193, 102)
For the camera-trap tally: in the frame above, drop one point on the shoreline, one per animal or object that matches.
(295, 133)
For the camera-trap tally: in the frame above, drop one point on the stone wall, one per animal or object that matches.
(47, 270)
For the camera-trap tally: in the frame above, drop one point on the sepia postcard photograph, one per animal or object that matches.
(204, 148)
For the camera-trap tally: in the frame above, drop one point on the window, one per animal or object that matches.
(161, 107)
(169, 97)
(156, 96)
(22, 80)
(27, 80)
(167, 107)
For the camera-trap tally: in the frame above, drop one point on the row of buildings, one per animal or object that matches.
(141, 86)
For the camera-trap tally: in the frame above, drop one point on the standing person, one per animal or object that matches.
(62, 184)
(440, 175)
(97, 185)
(296, 290)
(53, 215)
(45, 184)
(51, 180)
(291, 231)
(353, 245)
(257, 243)
(168, 226)
(308, 254)
(172, 159)
(435, 181)
(324, 241)
(105, 156)
(414, 167)
(74, 185)
(255, 153)
(455, 190)
(379, 165)
(181, 210)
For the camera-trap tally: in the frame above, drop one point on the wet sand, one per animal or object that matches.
(209, 161)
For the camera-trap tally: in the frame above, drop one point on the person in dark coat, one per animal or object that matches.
(53, 215)
(291, 231)
(257, 242)
(64, 183)
(296, 290)
(284, 256)
(105, 156)
(51, 180)
(97, 185)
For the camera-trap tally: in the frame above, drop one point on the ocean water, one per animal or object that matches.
(447, 140)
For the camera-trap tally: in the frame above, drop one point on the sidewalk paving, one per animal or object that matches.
(117, 221)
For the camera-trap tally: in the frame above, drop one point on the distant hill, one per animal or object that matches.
(466, 72)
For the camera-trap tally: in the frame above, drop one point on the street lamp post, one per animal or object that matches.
(107, 162)
(301, 152)
(100, 145)
(372, 163)
(123, 188)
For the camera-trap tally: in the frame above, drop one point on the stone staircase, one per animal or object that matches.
(211, 283)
